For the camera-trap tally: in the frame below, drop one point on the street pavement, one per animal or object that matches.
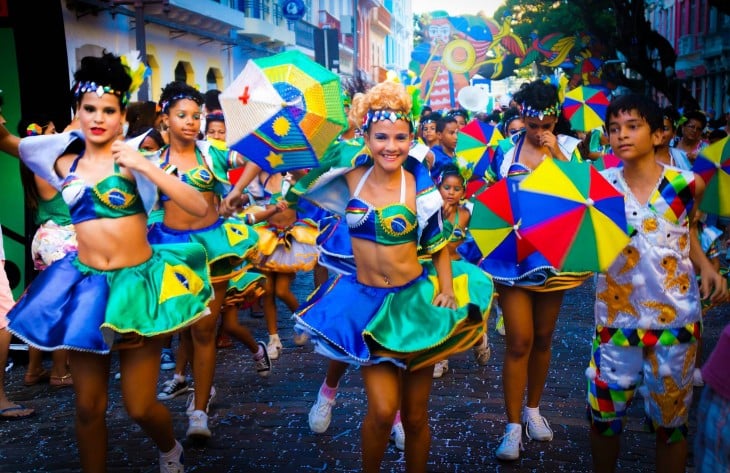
(260, 424)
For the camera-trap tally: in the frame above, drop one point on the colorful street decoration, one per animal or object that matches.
(458, 47)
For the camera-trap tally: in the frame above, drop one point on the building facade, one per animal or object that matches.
(700, 36)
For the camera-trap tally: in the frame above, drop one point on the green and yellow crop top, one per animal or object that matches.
(198, 177)
(393, 224)
(115, 196)
(453, 230)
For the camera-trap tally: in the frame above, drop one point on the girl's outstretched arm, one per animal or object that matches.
(182, 194)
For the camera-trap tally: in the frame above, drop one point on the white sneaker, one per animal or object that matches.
(174, 465)
(536, 426)
(320, 415)
(511, 444)
(697, 380)
(274, 347)
(190, 402)
(440, 368)
(301, 339)
(198, 426)
(482, 352)
(398, 436)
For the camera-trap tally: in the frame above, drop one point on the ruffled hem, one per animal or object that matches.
(72, 306)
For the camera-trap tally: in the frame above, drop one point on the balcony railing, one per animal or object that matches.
(690, 44)
(304, 34)
(261, 10)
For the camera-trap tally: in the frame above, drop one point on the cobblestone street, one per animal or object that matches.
(260, 425)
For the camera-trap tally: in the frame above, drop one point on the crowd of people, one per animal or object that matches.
(144, 237)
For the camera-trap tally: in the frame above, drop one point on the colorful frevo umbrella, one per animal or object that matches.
(713, 164)
(495, 226)
(585, 107)
(573, 216)
(476, 145)
(283, 111)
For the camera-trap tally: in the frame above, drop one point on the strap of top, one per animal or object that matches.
(198, 158)
(364, 178)
(76, 161)
(361, 183)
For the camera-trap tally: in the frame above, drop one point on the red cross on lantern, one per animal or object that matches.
(245, 96)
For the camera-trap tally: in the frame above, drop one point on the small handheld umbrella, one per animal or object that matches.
(283, 111)
(585, 107)
(713, 165)
(495, 226)
(476, 145)
(573, 216)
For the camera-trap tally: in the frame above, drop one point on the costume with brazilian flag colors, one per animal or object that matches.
(73, 306)
(364, 325)
(228, 242)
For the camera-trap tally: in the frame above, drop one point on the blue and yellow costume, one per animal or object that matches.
(533, 272)
(71, 305)
(286, 249)
(363, 325)
(227, 242)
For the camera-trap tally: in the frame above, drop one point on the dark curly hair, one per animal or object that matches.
(449, 170)
(105, 71)
(537, 94)
(178, 90)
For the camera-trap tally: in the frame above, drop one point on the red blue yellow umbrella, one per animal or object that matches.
(283, 111)
(713, 164)
(573, 216)
(495, 226)
(585, 107)
(476, 144)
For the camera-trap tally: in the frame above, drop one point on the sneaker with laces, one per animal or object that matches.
(190, 402)
(173, 388)
(274, 347)
(175, 464)
(511, 443)
(536, 426)
(263, 366)
(482, 352)
(440, 368)
(320, 415)
(167, 360)
(198, 426)
(398, 436)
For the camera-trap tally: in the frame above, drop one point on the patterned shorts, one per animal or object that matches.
(662, 373)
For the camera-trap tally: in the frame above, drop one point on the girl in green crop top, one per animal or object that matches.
(397, 314)
(54, 238)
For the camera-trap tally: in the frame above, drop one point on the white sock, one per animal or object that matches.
(531, 412)
(179, 378)
(511, 427)
(172, 455)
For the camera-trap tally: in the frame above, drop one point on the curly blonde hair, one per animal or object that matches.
(383, 96)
